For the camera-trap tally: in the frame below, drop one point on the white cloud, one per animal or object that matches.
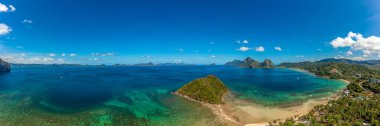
(243, 49)
(177, 61)
(102, 54)
(213, 56)
(52, 54)
(32, 60)
(259, 49)
(344, 42)
(4, 29)
(63, 54)
(23, 54)
(358, 58)
(349, 53)
(26, 21)
(245, 42)
(278, 48)
(73, 54)
(93, 59)
(356, 42)
(3, 8)
(12, 8)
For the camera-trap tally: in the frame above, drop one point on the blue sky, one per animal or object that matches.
(190, 31)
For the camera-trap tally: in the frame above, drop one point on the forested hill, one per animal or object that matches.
(358, 105)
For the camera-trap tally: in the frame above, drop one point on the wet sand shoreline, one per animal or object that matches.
(240, 112)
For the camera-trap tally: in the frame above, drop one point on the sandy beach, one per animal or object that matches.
(237, 112)
(252, 114)
(243, 113)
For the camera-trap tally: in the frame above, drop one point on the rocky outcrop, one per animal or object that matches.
(234, 63)
(4, 66)
(267, 64)
(250, 63)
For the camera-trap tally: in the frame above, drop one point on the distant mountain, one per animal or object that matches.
(234, 63)
(251, 63)
(144, 64)
(4, 66)
(267, 64)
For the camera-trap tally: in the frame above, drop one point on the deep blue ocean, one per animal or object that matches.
(144, 93)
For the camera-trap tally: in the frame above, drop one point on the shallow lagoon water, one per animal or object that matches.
(89, 95)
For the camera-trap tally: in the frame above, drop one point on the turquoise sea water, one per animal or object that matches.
(88, 95)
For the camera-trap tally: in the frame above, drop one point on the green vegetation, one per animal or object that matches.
(350, 72)
(208, 89)
(358, 105)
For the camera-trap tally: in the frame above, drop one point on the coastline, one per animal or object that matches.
(216, 109)
(253, 114)
(305, 71)
(239, 112)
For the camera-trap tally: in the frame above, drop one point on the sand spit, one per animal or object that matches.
(243, 113)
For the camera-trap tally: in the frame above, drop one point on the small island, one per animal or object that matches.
(210, 92)
(251, 63)
(207, 90)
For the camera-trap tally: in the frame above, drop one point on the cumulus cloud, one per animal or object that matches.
(72, 54)
(52, 54)
(259, 49)
(278, 48)
(349, 53)
(245, 42)
(243, 49)
(4, 29)
(344, 42)
(5, 8)
(26, 21)
(12, 8)
(213, 56)
(356, 42)
(63, 54)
